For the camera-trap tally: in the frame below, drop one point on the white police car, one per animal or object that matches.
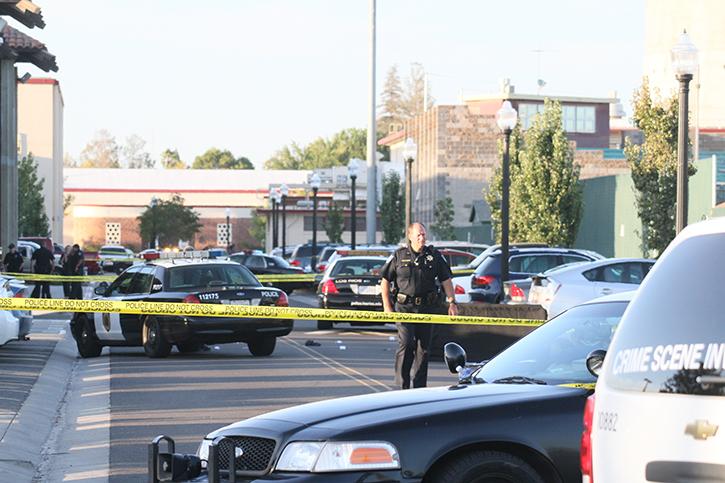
(658, 413)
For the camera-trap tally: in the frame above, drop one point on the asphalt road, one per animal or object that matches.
(186, 396)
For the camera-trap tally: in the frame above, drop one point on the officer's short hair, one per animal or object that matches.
(11, 246)
(410, 227)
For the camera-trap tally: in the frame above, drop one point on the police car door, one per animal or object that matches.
(108, 326)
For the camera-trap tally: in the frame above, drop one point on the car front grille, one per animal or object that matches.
(256, 454)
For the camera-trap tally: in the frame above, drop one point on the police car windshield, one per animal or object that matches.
(202, 276)
(556, 352)
(370, 268)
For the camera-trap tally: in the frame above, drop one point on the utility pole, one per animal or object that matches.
(372, 184)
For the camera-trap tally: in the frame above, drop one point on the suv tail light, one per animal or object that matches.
(329, 287)
(458, 290)
(20, 294)
(191, 299)
(585, 455)
(482, 281)
(321, 267)
(294, 262)
(516, 294)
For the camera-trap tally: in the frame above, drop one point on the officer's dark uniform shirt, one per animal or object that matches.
(43, 260)
(13, 262)
(415, 274)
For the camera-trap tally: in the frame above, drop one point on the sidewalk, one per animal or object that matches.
(55, 424)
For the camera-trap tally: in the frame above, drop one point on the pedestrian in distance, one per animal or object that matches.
(42, 263)
(76, 260)
(13, 260)
(66, 269)
(415, 272)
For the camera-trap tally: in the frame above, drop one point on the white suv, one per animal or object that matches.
(658, 413)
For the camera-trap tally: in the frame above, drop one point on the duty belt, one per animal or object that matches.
(428, 299)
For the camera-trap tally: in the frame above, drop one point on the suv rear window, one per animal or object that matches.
(674, 331)
(306, 251)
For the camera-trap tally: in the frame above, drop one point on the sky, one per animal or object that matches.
(252, 76)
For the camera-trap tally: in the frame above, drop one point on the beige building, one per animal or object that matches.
(40, 132)
(703, 20)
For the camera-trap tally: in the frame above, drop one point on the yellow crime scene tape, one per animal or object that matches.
(250, 311)
(35, 277)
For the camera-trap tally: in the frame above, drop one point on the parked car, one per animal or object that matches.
(456, 258)
(323, 259)
(351, 283)
(260, 264)
(523, 263)
(277, 252)
(40, 240)
(516, 418)
(181, 280)
(26, 249)
(14, 324)
(660, 398)
(115, 258)
(303, 254)
(560, 288)
(474, 248)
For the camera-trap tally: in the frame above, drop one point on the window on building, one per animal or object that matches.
(224, 237)
(579, 119)
(113, 233)
(528, 112)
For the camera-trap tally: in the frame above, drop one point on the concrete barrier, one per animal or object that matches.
(483, 342)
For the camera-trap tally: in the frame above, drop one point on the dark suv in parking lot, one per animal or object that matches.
(523, 263)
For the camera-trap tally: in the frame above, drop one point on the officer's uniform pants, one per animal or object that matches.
(414, 342)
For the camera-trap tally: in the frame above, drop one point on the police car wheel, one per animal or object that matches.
(87, 342)
(262, 346)
(486, 467)
(324, 324)
(154, 342)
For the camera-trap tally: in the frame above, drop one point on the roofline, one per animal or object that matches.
(536, 97)
(392, 138)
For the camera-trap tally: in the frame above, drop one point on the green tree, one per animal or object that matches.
(100, 152)
(170, 221)
(392, 208)
(215, 158)
(443, 214)
(495, 188)
(546, 198)
(334, 224)
(170, 159)
(258, 228)
(134, 155)
(391, 107)
(322, 153)
(32, 220)
(654, 168)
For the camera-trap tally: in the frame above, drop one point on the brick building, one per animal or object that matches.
(458, 150)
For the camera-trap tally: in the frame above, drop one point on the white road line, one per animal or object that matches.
(357, 376)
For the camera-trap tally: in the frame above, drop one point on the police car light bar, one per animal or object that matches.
(191, 254)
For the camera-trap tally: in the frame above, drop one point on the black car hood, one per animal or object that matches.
(349, 412)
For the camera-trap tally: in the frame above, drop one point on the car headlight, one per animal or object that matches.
(318, 457)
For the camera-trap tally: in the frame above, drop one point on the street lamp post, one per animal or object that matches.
(352, 168)
(273, 201)
(410, 152)
(154, 204)
(506, 119)
(229, 233)
(684, 62)
(284, 190)
(315, 184)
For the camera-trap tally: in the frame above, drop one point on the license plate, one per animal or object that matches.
(236, 302)
(368, 290)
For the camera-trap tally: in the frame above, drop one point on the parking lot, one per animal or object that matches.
(109, 408)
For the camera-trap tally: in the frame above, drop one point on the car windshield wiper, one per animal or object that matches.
(519, 380)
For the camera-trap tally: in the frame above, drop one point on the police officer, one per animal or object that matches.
(413, 270)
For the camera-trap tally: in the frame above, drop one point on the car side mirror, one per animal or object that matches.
(101, 288)
(595, 359)
(455, 357)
